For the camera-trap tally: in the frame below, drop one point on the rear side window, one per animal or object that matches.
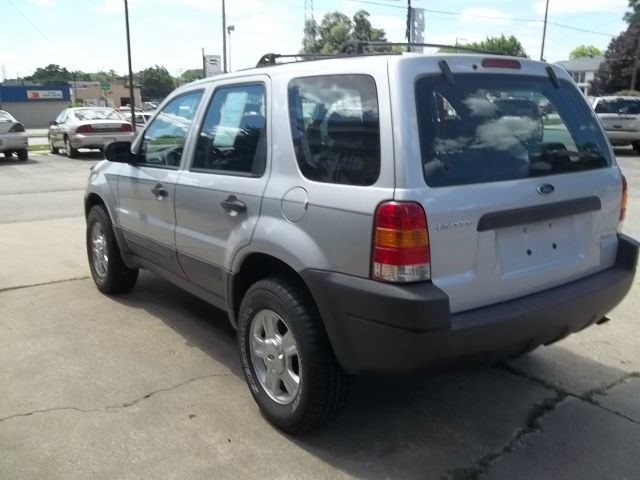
(618, 105)
(335, 128)
(488, 128)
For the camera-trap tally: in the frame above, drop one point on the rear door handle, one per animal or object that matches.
(160, 191)
(233, 206)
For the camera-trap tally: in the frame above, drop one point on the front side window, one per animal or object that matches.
(164, 140)
(335, 128)
(233, 136)
(488, 128)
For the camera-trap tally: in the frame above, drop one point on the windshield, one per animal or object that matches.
(488, 128)
(618, 105)
(5, 117)
(96, 114)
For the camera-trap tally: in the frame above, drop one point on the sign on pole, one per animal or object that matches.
(417, 28)
(212, 65)
(104, 86)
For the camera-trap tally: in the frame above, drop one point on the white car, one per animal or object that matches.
(13, 138)
(620, 117)
(87, 127)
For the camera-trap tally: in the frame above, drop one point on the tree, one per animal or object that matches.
(52, 74)
(502, 45)
(190, 75)
(336, 28)
(616, 71)
(585, 51)
(156, 82)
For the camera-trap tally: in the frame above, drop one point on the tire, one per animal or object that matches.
(8, 154)
(54, 150)
(23, 155)
(322, 384)
(71, 152)
(111, 276)
(636, 146)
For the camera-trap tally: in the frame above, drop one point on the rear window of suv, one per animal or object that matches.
(488, 128)
(618, 105)
(335, 128)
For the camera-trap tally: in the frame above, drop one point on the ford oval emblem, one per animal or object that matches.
(545, 189)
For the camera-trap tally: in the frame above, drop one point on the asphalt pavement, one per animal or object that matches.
(148, 384)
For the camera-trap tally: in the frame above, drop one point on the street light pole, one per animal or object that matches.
(131, 99)
(544, 31)
(230, 29)
(224, 39)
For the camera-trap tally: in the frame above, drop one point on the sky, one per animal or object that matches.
(89, 35)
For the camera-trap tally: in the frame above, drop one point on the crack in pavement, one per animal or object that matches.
(53, 282)
(118, 406)
(539, 410)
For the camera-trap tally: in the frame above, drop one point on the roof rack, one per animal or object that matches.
(357, 48)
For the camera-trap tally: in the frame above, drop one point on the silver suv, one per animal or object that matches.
(377, 214)
(620, 117)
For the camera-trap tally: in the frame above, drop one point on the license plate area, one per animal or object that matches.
(537, 246)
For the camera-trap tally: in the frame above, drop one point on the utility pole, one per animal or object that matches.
(544, 31)
(132, 100)
(224, 39)
(634, 74)
(409, 25)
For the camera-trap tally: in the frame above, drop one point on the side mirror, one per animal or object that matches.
(53, 123)
(120, 152)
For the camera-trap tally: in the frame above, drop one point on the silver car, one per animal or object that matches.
(87, 127)
(13, 137)
(378, 214)
(620, 117)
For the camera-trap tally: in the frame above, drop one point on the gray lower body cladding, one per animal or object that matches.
(378, 328)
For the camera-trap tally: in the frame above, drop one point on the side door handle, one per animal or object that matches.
(233, 206)
(160, 191)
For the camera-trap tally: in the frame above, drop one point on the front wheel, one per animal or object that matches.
(52, 148)
(636, 146)
(286, 357)
(23, 155)
(109, 272)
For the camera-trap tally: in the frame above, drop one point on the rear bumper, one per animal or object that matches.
(617, 137)
(383, 328)
(13, 141)
(99, 140)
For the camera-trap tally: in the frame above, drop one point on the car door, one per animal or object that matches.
(218, 198)
(146, 189)
(55, 131)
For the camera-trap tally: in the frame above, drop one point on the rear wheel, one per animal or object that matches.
(636, 146)
(286, 357)
(53, 149)
(7, 154)
(23, 155)
(71, 152)
(108, 270)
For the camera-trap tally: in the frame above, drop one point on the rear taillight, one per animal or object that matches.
(84, 129)
(126, 127)
(17, 128)
(625, 199)
(401, 243)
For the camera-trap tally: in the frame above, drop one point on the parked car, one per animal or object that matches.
(620, 117)
(87, 127)
(344, 238)
(13, 137)
(141, 118)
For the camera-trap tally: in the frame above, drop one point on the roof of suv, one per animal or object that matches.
(363, 62)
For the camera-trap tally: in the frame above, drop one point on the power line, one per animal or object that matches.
(35, 27)
(489, 17)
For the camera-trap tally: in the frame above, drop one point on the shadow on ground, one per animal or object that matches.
(447, 426)
(4, 161)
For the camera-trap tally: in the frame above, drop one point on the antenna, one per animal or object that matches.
(309, 20)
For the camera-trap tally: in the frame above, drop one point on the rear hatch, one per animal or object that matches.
(520, 189)
(619, 114)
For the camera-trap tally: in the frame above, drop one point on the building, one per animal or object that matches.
(113, 94)
(583, 71)
(34, 105)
